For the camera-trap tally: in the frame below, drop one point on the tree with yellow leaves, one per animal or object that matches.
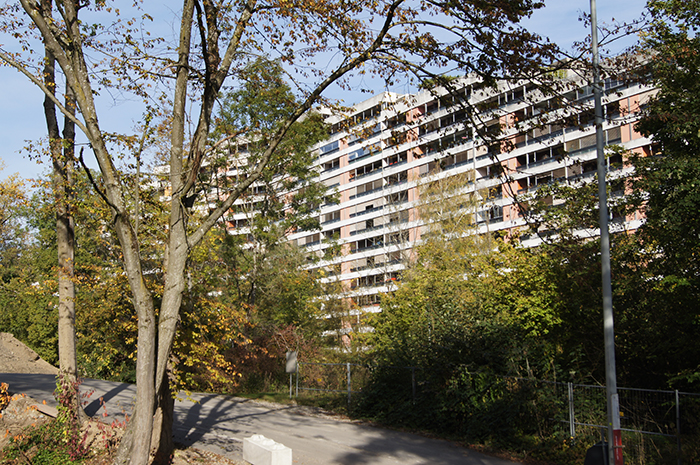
(12, 233)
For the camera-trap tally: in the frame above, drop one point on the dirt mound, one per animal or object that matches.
(16, 357)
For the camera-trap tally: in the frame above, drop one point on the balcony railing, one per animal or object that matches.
(362, 194)
(365, 212)
(364, 175)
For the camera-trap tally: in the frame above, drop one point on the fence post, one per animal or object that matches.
(572, 425)
(413, 383)
(348, 365)
(678, 427)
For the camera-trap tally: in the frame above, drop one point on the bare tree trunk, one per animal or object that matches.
(135, 445)
(162, 439)
(177, 248)
(62, 156)
(65, 241)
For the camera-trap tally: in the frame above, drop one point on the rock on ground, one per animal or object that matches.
(19, 414)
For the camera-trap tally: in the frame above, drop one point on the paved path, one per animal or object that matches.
(219, 424)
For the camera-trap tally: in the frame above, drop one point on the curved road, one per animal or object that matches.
(219, 424)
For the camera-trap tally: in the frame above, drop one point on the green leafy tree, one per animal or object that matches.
(26, 296)
(669, 193)
(670, 179)
(655, 314)
(286, 195)
(469, 306)
(32, 286)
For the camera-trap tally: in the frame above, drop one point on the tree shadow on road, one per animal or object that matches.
(221, 422)
(93, 407)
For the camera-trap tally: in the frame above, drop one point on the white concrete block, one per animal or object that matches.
(260, 450)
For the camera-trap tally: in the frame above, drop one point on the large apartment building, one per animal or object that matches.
(381, 153)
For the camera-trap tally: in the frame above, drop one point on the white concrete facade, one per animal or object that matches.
(378, 156)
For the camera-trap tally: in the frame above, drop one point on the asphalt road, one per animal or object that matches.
(219, 424)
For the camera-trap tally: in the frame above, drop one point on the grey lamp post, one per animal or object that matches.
(614, 432)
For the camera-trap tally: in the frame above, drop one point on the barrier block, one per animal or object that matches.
(259, 450)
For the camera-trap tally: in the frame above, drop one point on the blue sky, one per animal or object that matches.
(21, 117)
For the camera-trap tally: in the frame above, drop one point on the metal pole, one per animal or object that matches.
(290, 385)
(348, 365)
(678, 427)
(572, 425)
(413, 383)
(614, 432)
(296, 394)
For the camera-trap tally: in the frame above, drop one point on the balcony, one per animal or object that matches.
(362, 194)
(378, 227)
(364, 175)
(365, 212)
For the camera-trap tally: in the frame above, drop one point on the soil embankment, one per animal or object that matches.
(15, 357)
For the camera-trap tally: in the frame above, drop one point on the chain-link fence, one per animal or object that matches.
(659, 427)
(344, 378)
